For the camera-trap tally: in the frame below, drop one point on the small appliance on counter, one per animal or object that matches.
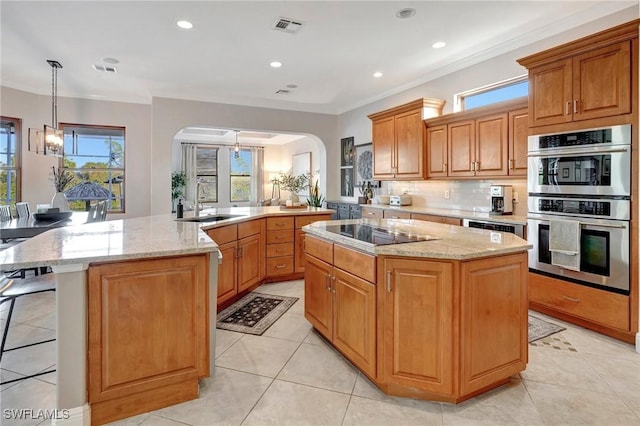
(501, 199)
(400, 200)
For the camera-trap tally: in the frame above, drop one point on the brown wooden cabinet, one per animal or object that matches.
(341, 305)
(372, 212)
(437, 219)
(399, 140)
(148, 334)
(280, 232)
(395, 214)
(483, 142)
(300, 221)
(243, 258)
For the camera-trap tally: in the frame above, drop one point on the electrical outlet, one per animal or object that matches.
(515, 197)
(446, 194)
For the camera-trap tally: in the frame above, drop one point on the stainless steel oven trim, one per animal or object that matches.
(620, 135)
(576, 152)
(620, 208)
(519, 229)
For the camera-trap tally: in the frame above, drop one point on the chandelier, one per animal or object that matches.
(236, 147)
(49, 141)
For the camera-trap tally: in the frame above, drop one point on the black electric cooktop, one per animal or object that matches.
(375, 234)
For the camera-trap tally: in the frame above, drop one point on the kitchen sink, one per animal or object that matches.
(209, 218)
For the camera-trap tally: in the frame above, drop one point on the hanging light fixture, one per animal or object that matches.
(236, 147)
(49, 141)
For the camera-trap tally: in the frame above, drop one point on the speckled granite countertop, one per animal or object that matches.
(135, 238)
(449, 241)
(461, 214)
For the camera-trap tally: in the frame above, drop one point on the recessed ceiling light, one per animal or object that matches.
(110, 60)
(185, 25)
(292, 86)
(377, 74)
(275, 64)
(438, 44)
(405, 13)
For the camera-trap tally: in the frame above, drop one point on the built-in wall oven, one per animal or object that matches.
(581, 181)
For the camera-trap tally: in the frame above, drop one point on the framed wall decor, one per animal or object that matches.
(347, 151)
(346, 181)
(363, 163)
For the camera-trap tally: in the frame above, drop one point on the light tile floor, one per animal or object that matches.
(291, 376)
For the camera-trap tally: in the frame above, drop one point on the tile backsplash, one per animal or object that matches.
(463, 194)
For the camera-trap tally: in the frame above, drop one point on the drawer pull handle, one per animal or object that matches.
(389, 281)
(571, 299)
(279, 250)
(575, 106)
(327, 282)
(280, 266)
(371, 213)
(279, 237)
(566, 108)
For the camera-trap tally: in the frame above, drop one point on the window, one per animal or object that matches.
(240, 175)
(95, 154)
(207, 173)
(494, 93)
(9, 160)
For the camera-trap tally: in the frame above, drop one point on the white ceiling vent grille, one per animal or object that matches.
(287, 25)
(283, 92)
(104, 68)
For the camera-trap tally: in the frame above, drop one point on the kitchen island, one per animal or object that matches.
(442, 318)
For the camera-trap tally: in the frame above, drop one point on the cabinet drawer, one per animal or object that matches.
(368, 212)
(224, 234)
(283, 236)
(394, 214)
(307, 219)
(249, 228)
(279, 265)
(282, 249)
(437, 219)
(275, 223)
(359, 264)
(321, 249)
(595, 305)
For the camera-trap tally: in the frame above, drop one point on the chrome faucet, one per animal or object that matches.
(196, 206)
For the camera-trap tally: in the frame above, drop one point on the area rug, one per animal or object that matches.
(539, 328)
(254, 313)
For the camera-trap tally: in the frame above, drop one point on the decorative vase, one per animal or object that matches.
(295, 200)
(59, 200)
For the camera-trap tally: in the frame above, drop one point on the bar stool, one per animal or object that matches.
(10, 291)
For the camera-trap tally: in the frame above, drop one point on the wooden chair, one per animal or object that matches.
(22, 209)
(10, 291)
(5, 212)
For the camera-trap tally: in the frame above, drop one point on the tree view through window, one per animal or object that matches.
(9, 160)
(207, 173)
(240, 175)
(95, 154)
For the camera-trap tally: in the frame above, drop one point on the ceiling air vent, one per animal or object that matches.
(283, 92)
(104, 68)
(287, 25)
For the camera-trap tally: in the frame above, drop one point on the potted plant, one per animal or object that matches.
(61, 179)
(293, 184)
(315, 198)
(178, 182)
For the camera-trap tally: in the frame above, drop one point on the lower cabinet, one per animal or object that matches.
(437, 219)
(341, 305)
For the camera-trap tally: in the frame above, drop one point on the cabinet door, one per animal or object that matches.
(227, 272)
(491, 148)
(437, 151)
(318, 295)
(437, 219)
(383, 148)
(299, 260)
(602, 82)
(518, 134)
(372, 212)
(551, 93)
(354, 320)
(494, 315)
(416, 304)
(249, 260)
(461, 136)
(409, 146)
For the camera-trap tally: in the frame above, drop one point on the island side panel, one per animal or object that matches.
(148, 334)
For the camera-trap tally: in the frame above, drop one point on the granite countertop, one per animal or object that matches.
(135, 238)
(460, 214)
(449, 241)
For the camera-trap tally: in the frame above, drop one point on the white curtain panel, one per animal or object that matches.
(189, 168)
(257, 175)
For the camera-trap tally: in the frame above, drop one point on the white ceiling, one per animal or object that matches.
(225, 57)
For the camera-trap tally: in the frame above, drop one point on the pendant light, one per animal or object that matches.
(49, 141)
(236, 147)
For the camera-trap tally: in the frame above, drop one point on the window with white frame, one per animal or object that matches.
(95, 155)
(491, 94)
(207, 173)
(9, 160)
(240, 176)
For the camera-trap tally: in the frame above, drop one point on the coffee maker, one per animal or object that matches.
(501, 199)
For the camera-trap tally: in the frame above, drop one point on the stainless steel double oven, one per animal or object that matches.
(585, 177)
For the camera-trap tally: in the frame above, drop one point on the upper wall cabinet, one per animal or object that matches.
(590, 78)
(399, 140)
(484, 142)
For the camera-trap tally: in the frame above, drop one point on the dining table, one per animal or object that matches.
(27, 227)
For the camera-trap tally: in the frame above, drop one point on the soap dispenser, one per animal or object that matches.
(179, 209)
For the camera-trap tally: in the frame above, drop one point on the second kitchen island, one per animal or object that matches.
(425, 310)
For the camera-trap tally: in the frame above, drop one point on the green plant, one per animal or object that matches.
(61, 178)
(293, 184)
(178, 182)
(315, 198)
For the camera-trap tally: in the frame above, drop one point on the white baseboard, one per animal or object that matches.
(638, 342)
(78, 416)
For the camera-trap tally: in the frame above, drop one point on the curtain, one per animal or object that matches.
(257, 175)
(189, 168)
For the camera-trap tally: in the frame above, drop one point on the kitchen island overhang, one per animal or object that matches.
(443, 319)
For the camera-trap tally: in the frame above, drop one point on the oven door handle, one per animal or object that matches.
(561, 152)
(582, 223)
